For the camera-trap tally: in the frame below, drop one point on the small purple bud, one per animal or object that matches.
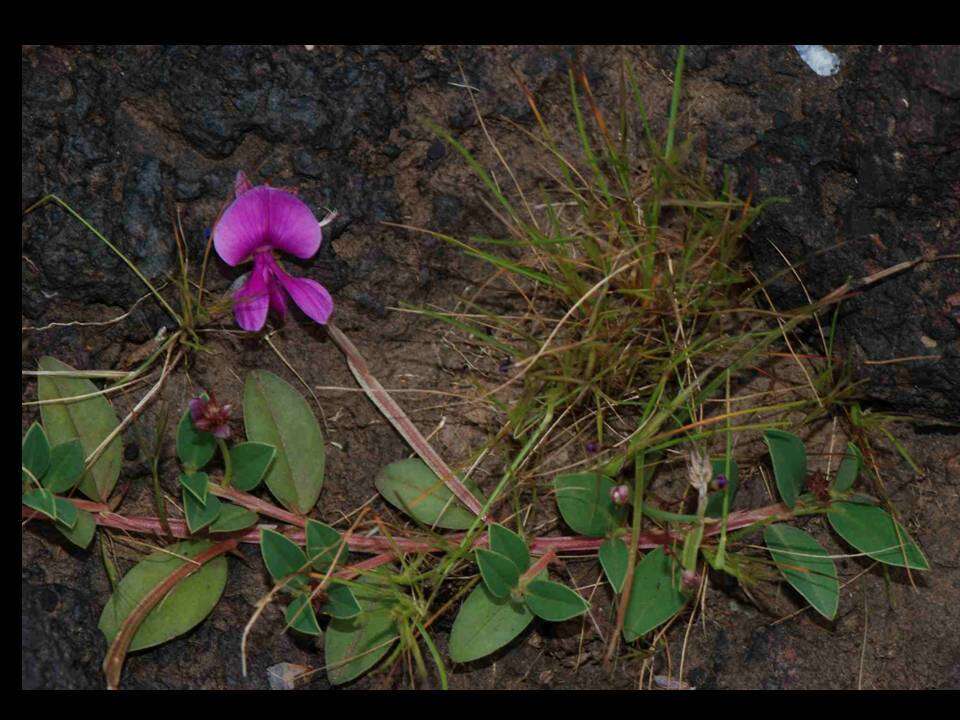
(720, 481)
(620, 494)
(593, 447)
(206, 233)
(505, 364)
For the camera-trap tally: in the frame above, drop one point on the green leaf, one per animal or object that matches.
(250, 461)
(613, 559)
(485, 624)
(35, 453)
(196, 483)
(276, 414)
(82, 531)
(849, 469)
(300, 615)
(789, 463)
(66, 467)
(195, 447)
(198, 514)
(872, 530)
(184, 607)
(655, 595)
(341, 602)
(66, 513)
(282, 557)
(585, 504)
(323, 544)
(412, 487)
(715, 499)
(806, 566)
(353, 646)
(90, 420)
(41, 500)
(233, 518)
(508, 543)
(553, 601)
(499, 572)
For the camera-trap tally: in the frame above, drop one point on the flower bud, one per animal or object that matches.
(620, 494)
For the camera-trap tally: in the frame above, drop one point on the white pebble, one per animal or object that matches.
(821, 61)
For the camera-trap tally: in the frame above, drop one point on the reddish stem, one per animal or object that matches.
(534, 570)
(538, 546)
(252, 502)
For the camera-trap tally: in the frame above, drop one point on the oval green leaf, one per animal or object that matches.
(66, 467)
(283, 557)
(553, 601)
(413, 488)
(613, 559)
(485, 624)
(789, 459)
(508, 543)
(323, 544)
(83, 530)
(197, 484)
(200, 514)
(353, 646)
(35, 453)
(250, 461)
(585, 504)
(66, 513)
(341, 602)
(276, 414)
(655, 595)
(872, 530)
(300, 615)
(806, 566)
(233, 518)
(849, 469)
(41, 500)
(190, 601)
(195, 447)
(499, 572)
(90, 420)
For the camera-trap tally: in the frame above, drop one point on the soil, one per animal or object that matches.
(127, 134)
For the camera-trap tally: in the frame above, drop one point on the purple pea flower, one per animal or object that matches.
(720, 481)
(260, 221)
(210, 416)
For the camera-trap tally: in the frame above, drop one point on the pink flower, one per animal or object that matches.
(260, 221)
(620, 494)
(210, 416)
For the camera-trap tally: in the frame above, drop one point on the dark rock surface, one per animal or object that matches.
(873, 179)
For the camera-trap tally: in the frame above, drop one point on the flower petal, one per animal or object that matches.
(243, 227)
(309, 295)
(266, 217)
(292, 227)
(222, 431)
(252, 301)
(197, 406)
(278, 298)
